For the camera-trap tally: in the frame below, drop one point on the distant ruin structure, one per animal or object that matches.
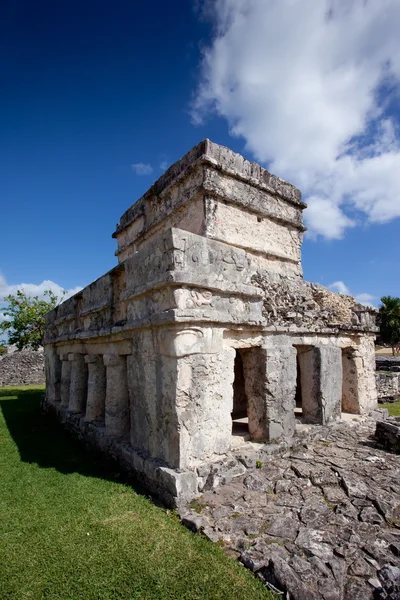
(205, 337)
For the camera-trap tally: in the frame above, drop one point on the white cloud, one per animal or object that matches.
(142, 168)
(366, 299)
(164, 165)
(324, 217)
(302, 82)
(341, 288)
(32, 289)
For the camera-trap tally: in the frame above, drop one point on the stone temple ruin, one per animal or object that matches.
(205, 338)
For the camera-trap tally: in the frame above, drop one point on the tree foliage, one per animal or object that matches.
(389, 321)
(25, 318)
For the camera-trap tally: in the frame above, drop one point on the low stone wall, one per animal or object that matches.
(387, 378)
(23, 367)
(387, 385)
(388, 363)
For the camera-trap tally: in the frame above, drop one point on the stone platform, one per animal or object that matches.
(321, 521)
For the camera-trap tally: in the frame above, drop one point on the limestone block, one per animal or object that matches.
(351, 365)
(236, 192)
(191, 340)
(78, 385)
(156, 301)
(53, 374)
(387, 384)
(98, 295)
(96, 392)
(144, 374)
(117, 417)
(181, 405)
(178, 485)
(204, 403)
(250, 231)
(199, 305)
(183, 257)
(276, 417)
(366, 375)
(65, 379)
(321, 383)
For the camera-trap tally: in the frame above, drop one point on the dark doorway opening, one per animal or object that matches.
(240, 421)
(298, 410)
(307, 400)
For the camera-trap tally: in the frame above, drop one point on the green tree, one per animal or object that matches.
(25, 318)
(389, 321)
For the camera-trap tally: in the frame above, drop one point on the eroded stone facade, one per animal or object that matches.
(206, 317)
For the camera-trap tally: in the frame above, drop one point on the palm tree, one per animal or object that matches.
(389, 321)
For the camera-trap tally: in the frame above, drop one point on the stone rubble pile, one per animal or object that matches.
(290, 299)
(23, 367)
(322, 521)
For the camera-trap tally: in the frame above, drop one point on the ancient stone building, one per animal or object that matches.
(205, 337)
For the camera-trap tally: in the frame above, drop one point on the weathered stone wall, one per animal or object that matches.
(23, 367)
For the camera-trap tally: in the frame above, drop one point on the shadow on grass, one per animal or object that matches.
(41, 439)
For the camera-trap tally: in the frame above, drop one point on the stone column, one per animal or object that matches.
(53, 374)
(65, 379)
(270, 384)
(194, 404)
(117, 418)
(321, 384)
(351, 368)
(78, 387)
(96, 393)
(364, 363)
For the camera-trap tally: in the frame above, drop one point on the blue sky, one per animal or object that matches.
(88, 90)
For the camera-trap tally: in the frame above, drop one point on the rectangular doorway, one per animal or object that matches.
(307, 406)
(240, 419)
(249, 410)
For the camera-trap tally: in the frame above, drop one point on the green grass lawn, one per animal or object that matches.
(393, 408)
(71, 528)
